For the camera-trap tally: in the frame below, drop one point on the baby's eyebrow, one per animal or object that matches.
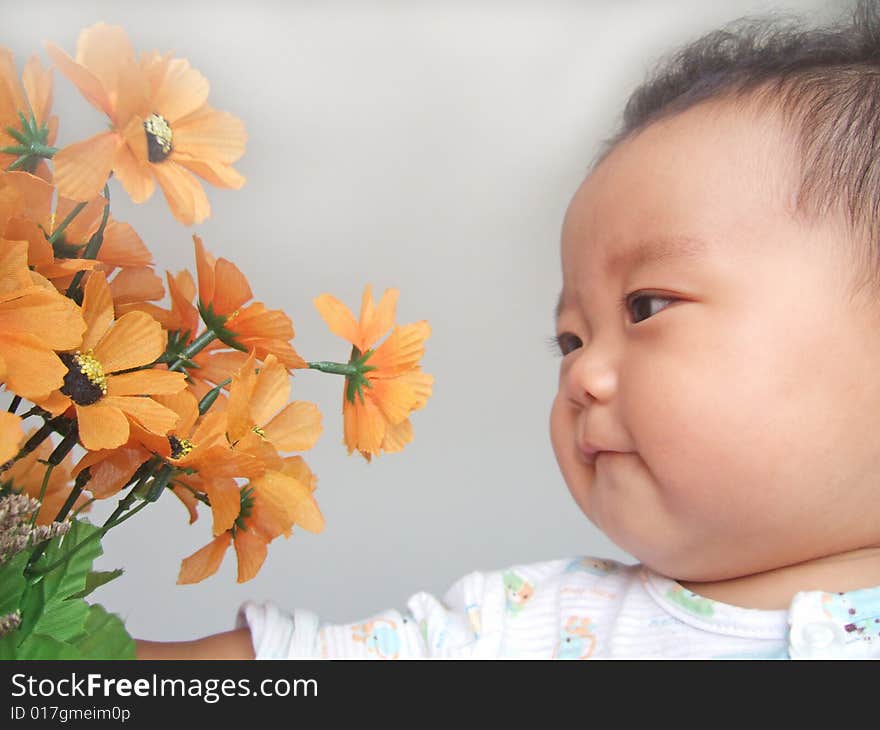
(646, 251)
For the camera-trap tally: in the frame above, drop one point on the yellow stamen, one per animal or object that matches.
(92, 369)
(259, 431)
(159, 137)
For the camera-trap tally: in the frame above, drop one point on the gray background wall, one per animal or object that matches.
(430, 146)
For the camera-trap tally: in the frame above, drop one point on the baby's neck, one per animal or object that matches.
(774, 589)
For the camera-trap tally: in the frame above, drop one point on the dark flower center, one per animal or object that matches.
(179, 447)
(85, 382)
(159, 137)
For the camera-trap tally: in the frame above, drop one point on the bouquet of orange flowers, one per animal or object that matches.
(116, 396)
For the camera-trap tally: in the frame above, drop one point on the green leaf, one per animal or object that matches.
(36, 646)
(60, 618)
(12, 583)
(95, 579)
(105, 637)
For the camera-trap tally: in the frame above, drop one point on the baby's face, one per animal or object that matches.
(734, 374)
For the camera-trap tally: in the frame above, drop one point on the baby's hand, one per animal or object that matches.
(235, 644)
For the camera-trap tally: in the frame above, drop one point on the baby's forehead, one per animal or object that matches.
(690, 176)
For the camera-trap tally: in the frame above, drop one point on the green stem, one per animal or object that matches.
(82, 507)
(94, 244)
(59, 231)
(111, 522)
(13, 405)
(31, 149)
(194, 348)
(49, 469)
(46, 430)
(81, 480)
(337, 368)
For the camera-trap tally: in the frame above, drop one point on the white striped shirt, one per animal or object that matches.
(577, 608)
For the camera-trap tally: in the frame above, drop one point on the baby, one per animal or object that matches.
(726, 438)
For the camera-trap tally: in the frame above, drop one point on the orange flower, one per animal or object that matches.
(223, 289)
(35, 320)
(162, 129)
(104, 396)
(198, 444)
(11, 436)
(27, 475)
(32, 98)
(376, 417)
(33, 220)
(259, 414)
(270, 506)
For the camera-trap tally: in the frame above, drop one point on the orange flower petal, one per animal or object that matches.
(55, 403)
(180, 91)
(338, 317)
(219, 461)
(204, 270)
(39, 250)
(14, 275)
(89, 85)
(238, 409)
(255, 320)
(375, 322)
(181, 289)
(136, 285)
(397, 436)
(146, 412)
(421, 383)
(131, 163)
(184, 193)
(82, 169)
(47, 315)
(86, 221)
(189, 501)
(363, 425)
(402, 350)
(107, 53)
(11, 435)
(111, 469)
(101, 426)
(296, 467)
(52, 318)
(280, 501)
(146, 382)
(97, 310)
(36, 196)
(250, 549)
(37, 83)
(122, 246)
(394, 397)
(182, 402)
(205, 562)
(209, 134)
(296, 428)
(136, 339)
(270, 391)
(215, 367)
(216, 173)
(225, 497)
(231, 288)
(32, 369)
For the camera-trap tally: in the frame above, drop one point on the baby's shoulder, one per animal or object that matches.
(573, 571)
(570, 575)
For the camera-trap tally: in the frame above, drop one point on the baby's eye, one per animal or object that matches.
(564, 343)
(649, 310)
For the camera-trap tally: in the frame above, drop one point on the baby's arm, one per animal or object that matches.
(235, 644)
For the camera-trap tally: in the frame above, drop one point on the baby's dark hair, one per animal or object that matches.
(825, 82)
